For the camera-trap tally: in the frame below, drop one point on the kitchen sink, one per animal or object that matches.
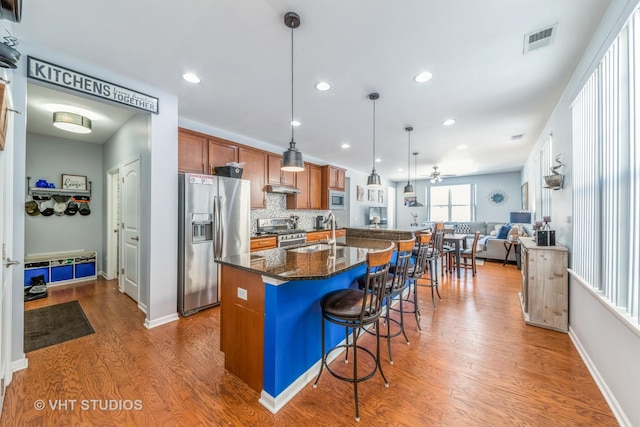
(311, 248)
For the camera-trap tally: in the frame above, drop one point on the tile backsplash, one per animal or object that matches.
(277, 208)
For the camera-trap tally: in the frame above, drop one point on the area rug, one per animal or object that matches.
(54, 324)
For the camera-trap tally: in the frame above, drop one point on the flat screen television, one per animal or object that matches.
(380, 212)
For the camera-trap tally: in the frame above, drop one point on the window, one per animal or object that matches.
(606, 179)
(451, 203)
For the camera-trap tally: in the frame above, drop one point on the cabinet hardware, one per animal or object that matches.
(135, 238)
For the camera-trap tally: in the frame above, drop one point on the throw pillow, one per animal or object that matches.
(503, 232)
(493, 233)
(463, 228)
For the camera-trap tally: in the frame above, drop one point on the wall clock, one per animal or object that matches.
(498, 197)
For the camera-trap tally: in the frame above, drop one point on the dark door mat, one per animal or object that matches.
(54, 324)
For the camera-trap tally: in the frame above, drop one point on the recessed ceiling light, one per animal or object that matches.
(295, 123)
(399, 169)
(191, 78)
(345, 146)
(322, 86)
(448, 122)
(462, 147)
(378, 160)
(424, 76)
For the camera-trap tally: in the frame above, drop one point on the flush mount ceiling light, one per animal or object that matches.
(374, 179)
(408, 189)
(292, 158)
(323, 86)
(191, 78)
(71, 122)
(424, 76)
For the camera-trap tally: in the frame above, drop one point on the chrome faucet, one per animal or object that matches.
(331, 218)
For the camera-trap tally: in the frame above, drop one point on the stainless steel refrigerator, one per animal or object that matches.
(213, 223)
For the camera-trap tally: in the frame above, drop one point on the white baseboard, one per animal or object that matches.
(618, 412)
(160, 321)
(20, 364)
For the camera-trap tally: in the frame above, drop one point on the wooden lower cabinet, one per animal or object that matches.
(315, 236)
(545, 285)
(242, 324)
(262, 243)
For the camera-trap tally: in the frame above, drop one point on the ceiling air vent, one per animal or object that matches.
(538, 39)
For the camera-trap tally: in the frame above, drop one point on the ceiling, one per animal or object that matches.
(242, 52)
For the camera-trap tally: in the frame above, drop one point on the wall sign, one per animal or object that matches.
(60, 76)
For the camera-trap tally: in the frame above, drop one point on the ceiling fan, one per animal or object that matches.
(436, 176)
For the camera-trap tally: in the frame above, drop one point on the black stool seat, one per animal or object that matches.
(344, 303)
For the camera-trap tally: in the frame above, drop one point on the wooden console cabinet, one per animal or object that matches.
(545, 286)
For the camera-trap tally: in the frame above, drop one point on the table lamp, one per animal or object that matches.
(520, 218)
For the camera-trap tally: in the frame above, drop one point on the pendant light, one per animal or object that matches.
(292, 158)
(408, 189)
(417, 203)
(374, 178)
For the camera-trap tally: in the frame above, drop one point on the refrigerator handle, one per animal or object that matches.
(221, 228)
(215, 227)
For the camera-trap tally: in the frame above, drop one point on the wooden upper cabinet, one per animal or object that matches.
(255, 170)
(221, 152)
(334, 177)
(276, 175)
(192, 152)
(199, 153)
(315, 186)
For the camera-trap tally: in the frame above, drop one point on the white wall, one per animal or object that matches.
(509, 183)
(129, 141)
(610, 347)
(47, 158)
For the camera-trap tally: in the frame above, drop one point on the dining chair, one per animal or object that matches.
(470, 255)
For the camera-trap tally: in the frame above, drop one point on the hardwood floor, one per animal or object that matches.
(476, 363)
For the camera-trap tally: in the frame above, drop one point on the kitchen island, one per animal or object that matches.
(270, 323)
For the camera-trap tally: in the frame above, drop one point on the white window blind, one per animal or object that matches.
(452, 203)
(606, 159)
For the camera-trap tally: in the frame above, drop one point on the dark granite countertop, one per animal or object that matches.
(305, 262)
(383, 233)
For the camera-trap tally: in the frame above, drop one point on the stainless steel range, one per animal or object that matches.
(281, 228)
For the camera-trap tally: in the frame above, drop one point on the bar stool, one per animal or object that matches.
(417, 270)
(355, 309)
(434, 254)
(396, 285)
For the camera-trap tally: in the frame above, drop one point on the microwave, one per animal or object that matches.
(337, 200)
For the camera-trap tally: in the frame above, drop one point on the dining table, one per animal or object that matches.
(459, 242)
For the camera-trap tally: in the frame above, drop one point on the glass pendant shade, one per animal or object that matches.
(292, 159)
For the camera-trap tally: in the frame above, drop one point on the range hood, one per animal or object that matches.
(282, 189)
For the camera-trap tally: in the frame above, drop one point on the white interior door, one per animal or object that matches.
(113, 224)
(130, 236)
(8, 258)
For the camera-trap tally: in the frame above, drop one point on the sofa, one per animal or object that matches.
(489, 247)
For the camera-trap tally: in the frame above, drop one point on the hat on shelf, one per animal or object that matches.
(72, 208)
(46, 208)
(59, 208)
(61, 198)
(83, 209)
(31, 208)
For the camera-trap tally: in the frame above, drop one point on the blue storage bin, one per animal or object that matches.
(63, 272)
(28, 274)
(85, 269)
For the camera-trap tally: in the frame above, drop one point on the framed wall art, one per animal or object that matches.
(74, 182)
(359, 193)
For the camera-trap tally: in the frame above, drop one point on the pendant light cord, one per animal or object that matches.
(374, 135)
(292, 85)
(409, 160)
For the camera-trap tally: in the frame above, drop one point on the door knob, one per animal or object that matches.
(8, 263)
(135, 238)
